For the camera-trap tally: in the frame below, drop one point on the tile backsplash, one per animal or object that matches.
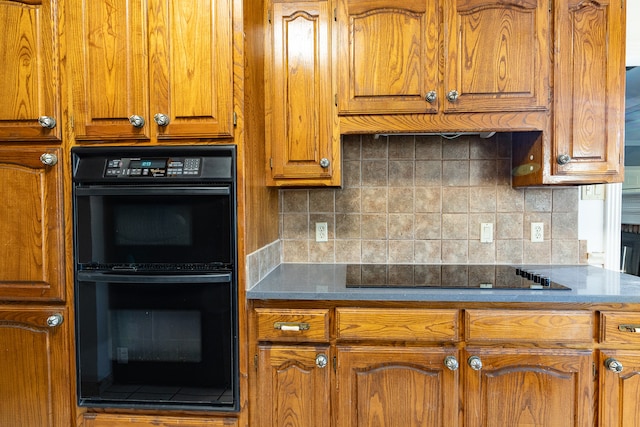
(421, 199)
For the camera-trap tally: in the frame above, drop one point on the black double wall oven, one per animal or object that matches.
(155, 277)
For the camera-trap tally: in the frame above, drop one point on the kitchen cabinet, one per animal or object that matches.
(293, 368)
(585, 141)
(32, 226)
(151, 70)
(35, 389)
(408, 364)
(30, 53)
(619, 368)
(301, 118)
(417, 56)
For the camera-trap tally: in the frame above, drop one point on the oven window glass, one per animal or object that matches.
(153, 229)
(150, 344)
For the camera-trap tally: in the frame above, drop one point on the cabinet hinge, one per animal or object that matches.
(335, 99)
(255, 361)
(235, 118)
(271, 162)
(550, 5)
(269, 16)
(595, 370)
(335, 364)
(335, 14)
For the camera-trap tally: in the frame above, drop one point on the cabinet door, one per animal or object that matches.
(191, 68)
(618, 402)
(31, 225)
(34, 367)
(498, 56)
(588, 136)
(388, 56)
(111, 420)
(294, 386)
(29, 64)
(301, 123)
(528, 387)
(108, 52)
(386, 386)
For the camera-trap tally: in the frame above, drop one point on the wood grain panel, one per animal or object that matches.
(610, 332)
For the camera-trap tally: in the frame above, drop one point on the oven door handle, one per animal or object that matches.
(86, 276)
(151, 191)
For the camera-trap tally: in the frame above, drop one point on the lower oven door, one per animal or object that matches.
(156, 341)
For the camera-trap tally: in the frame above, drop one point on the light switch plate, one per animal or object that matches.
(486, 232)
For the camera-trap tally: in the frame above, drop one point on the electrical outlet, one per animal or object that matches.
(537, 232)
(322, 232)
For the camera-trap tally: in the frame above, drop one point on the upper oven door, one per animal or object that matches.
(188, 226)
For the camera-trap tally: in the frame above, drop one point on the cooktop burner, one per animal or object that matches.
(461, 276)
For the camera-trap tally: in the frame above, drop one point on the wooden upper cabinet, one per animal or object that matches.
(34, 367)
(32, 226)
(498, 55)
(388, 56)
(588, 119)
(301, 120)
(417, 56)
(138, 63)
(29, 66)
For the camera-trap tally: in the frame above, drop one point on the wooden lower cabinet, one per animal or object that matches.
(528, 387)
(35, 385)
(112, 420)
(396, 386)
(294, 385)
(619, 388)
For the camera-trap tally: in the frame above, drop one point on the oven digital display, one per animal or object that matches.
(148, 163)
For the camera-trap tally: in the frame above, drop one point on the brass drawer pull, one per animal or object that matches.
(291, 326)
(629, 328)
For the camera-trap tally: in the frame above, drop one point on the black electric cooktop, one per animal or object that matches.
(463, 276)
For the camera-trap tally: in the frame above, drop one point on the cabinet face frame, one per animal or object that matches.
(32, 226)
(30, 70)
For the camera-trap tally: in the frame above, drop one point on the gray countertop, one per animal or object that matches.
(327, 282)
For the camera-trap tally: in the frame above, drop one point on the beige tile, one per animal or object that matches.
(564, 225)
(373, 148)
(428, 147)
(401, 251)
(401, 173)
(322, 252)
(566, 199)
(509, 226)
(455, 199)
(295, 226)
(295, 250)
(428, 226)
(428, 251)
(509, 251)
(351, 174)
(543, 217)
(538, 199)
(428, 173)
(457, 149)
(295, 201)
(374, 173)
(455, 226)
(348, 251)
(537, 252)
(476, 219)
(428, 199)
(455, 251)
(348, 200)
(402, 147)
(482, 253)
(347, 226)
(565, 251)
(482, 148)
(401, 200)
(374, 199)
(322, 200)
(482, 199)
(400, 226)
(455, 173)
(328, 218)
(351, 147)
(482, 172)
(503, 172)
(374, 226)
(374, 251)
(509, 199)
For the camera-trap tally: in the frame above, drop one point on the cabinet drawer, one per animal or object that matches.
(110, 420)
(397, 324)
(539, 326)
(293, 325)
(619, 327)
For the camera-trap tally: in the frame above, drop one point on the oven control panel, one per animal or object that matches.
(153, 167)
